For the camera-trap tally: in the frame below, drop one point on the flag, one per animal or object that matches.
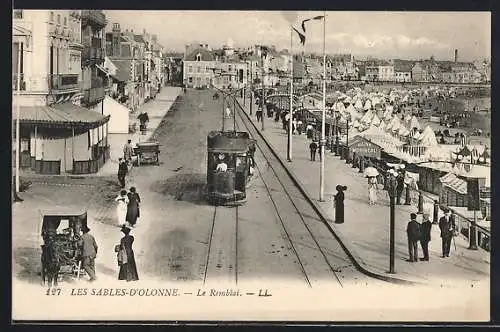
(301, 36)
(314, 18)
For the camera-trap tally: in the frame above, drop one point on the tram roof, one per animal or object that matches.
(230, 142)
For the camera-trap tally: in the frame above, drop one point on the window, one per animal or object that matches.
(190, 69)
(18, 13)
(190, 80)
(198, 57)
(198, 69)
(65, 21)
(58, 19)
(52, 16)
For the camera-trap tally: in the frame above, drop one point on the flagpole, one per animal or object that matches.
(289, 156)
(323, 118)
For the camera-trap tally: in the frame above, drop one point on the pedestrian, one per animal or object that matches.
(413, 233)
(447, 228)
(312, 148)
(122, 172)
(128, 151)
(339, 204)
(309, 131)
(372, 190)
(400, 186)
(425, 238)
(259, 114)
(122, 207)
(126, 259)
(133, 207)
(89, 247)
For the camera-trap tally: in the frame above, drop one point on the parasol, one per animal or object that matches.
(371, 171)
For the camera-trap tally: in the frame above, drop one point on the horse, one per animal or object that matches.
(50, 263)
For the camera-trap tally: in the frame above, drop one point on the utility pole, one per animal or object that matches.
(323, 120)
(290, 121)
(251, 86)
(18, 131)
(263, 94)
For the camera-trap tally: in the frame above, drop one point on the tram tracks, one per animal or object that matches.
(318, 255)
(222, 252)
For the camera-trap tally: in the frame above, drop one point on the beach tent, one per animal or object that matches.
(375, 121)
(414, 122)
(359, 104)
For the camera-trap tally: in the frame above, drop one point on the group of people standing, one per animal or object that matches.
(421, 232)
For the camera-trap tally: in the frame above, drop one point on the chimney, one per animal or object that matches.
(456, 55)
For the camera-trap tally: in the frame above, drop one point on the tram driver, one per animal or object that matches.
(221, 166)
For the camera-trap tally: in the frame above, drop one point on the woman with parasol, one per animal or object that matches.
(371, 173)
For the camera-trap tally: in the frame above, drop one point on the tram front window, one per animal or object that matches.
(221, 165)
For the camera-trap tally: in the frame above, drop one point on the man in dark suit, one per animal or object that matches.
(425, 236)
(447, 227)
(312, 148)
(122, 171)
(89, 252)
(413, 233)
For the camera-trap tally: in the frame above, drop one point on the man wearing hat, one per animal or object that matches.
(425, 236)
(88, 246)
(447, 227)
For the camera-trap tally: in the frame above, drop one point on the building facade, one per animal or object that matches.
(199, 67)
(56, 134)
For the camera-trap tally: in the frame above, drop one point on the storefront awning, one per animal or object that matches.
(64, 115)
(104, 70)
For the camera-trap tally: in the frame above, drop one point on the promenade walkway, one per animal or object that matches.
(366, 228)
(156, 109)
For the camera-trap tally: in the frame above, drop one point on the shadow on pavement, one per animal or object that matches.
(173, 256)
(187, 187)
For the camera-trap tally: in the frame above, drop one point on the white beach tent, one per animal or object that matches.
(414, 122)
(376, 121)
(359, 104)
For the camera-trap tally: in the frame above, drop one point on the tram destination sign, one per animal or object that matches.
(365, 148)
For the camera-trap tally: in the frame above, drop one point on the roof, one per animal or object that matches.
(123, 69)
(139, 39)
(205, 55)
(402, 66)
(60, 115)
(454, 183)
(221, 142)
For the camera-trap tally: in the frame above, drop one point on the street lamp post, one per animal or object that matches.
(392, 196)
(263, 94)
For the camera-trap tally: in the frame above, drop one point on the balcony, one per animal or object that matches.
(63, 82)
(92, 55)
(93, 96)
(94, 18)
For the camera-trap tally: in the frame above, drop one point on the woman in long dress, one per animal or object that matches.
(128, 270)
(133, 207)
(339, 204)
(121, 208)
(372, 190)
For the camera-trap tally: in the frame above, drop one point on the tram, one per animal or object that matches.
(229, 166)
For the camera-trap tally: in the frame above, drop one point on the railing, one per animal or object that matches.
(63, 81)
(93, 54)
(94, 16)
(14, 82)
(93, 95)
(425, 202)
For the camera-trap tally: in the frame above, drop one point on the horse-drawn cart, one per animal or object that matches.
(147, 152)
(61, 252)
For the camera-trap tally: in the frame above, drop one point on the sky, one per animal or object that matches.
(405, 35)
